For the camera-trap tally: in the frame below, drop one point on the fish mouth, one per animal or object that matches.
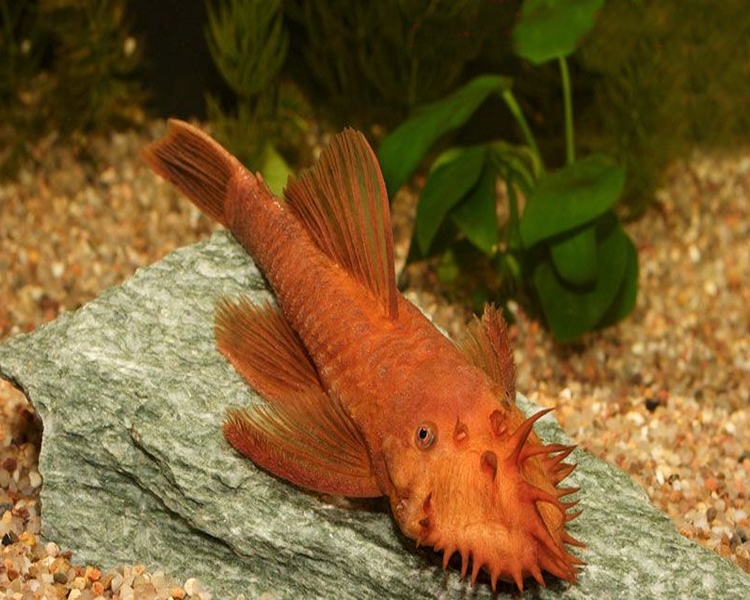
(505, 515)
(505, 554)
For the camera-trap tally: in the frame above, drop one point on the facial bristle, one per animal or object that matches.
(536, 573)
(571, 541)
(550, 557)
(488, 462)
(561, 471)
(518, 577)
(521, 434)
(554, 452)
(464, 563)
(498, 422)
(535, 494)
(476, 566)
(448, 553)
(460, 431)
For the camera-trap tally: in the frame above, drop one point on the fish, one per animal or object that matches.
(364, 396)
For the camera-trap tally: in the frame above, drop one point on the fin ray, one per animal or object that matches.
(343, 203)
(263, 348)
(196, 164)
(487, 346)
(298, 450)
(299, 433)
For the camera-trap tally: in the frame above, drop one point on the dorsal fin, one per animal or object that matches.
(343, 203)
(299, 433)
(486, 345)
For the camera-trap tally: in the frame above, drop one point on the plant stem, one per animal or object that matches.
(513, 238)
(515, 110)
(570, 152)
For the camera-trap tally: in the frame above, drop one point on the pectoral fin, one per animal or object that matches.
(299, 433)
(487, 346)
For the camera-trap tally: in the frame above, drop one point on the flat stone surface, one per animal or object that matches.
(132, 394)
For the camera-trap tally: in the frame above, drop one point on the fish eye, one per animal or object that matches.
(425, 435)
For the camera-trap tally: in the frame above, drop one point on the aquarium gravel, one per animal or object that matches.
(664, 395)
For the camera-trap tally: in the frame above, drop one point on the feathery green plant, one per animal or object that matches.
(249, 42)
(20, 49)
(667, 79)
(85, 83)
(95, 58)
(379, 60)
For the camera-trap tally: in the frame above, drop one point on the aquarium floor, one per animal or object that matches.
(664, 395)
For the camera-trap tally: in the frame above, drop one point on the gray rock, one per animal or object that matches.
(132, 394)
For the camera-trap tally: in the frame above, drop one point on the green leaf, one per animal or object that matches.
(574, 256)
(401, 151)
(447, 185)
(626, 296)
(248, 42)
(275, 170)
(548, 29)
(520, 161)
(476, 215)
(508, 267)
(513, 228)
(448, 269)
(570, 198)
(573, 310)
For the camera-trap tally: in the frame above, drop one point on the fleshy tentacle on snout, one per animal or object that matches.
(506, 516)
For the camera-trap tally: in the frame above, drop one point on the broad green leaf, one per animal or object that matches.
(572, 310)
(574, 256)
(548, 29)
(275, 169)
(476, 215)
(626, 296)
(508, 267)
(570, 198)
(448, 269)
(447, 186)
(446, 156)
(401, 151)
(521, 161)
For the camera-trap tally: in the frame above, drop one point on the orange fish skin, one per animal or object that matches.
(443, 438)
(377, 368)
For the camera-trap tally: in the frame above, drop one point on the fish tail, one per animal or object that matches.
(197, 165)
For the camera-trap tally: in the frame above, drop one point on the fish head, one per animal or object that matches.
(479, 483)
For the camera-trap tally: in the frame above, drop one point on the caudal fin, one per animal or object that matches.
(196, 164)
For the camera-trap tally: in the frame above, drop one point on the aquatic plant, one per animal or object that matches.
(249, 42)
(67, 66)
(94, 62)
(564, 244)
(20, 48)
(379, 60)
(664, 81)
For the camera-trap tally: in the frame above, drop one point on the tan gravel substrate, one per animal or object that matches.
(665, 395)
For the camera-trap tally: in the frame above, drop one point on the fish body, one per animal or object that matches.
(364, 396)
